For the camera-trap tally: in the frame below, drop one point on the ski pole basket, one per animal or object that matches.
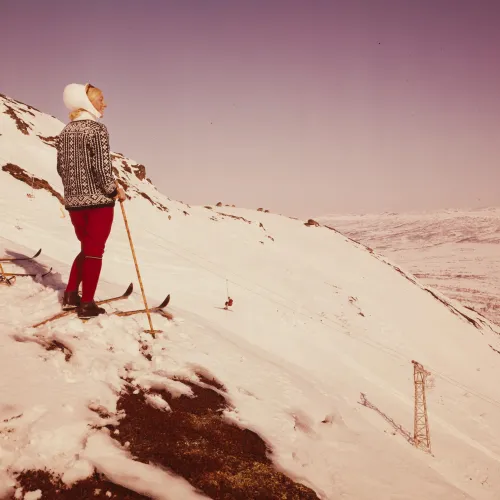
(5, 280)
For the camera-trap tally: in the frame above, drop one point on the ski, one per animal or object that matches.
(7, 281)
(28, 274)
(62, 314)
(14, 259)
(158, 309)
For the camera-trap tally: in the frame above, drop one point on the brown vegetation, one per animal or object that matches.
(195, 441)
(312, 222)
(21, 175)
(20, 123)
(140, 171)
(97, 486)
(191, 439)
(496, 350)
(9, 99)
(237, 217)
(156, 204)
(50, 140)
(126, 167)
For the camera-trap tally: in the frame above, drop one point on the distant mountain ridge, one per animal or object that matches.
(455, 251)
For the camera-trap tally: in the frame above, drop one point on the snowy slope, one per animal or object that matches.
(453, 251)
(34, 147)
(317, 321)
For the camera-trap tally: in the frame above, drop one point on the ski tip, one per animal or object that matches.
(48, 272)
(37, 254)
(130, 289)
(165, 302)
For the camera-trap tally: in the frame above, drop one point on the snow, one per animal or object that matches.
(452, 251)
(145, 479)
(317, 320)
(33, 495)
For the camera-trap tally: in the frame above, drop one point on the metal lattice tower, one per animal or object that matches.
(421, 434)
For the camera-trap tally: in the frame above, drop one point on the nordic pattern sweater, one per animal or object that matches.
(84, 164)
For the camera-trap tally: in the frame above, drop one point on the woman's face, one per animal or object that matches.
(97, 99)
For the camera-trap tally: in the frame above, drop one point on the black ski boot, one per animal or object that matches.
(71, 300)
(88, 310)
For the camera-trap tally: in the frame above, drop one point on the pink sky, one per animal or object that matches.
(304, 108)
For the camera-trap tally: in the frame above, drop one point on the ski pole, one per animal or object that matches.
(152, 331)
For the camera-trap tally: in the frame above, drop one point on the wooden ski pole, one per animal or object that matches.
(152, 331)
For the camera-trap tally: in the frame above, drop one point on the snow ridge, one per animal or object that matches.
(454, 252)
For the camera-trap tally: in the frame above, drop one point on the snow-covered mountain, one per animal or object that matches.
(456, 252)
(304, 389)
(35, 129)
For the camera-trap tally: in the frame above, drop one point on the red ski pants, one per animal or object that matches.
(92, 228)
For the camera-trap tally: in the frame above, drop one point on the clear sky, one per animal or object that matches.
(302, 107)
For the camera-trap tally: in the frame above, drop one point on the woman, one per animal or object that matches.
(90, 191)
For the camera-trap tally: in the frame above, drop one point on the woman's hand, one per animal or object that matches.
(121, 196)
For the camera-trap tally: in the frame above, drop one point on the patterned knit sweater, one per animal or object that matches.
(84, 164)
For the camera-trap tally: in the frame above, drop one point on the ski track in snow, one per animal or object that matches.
(317, 320)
